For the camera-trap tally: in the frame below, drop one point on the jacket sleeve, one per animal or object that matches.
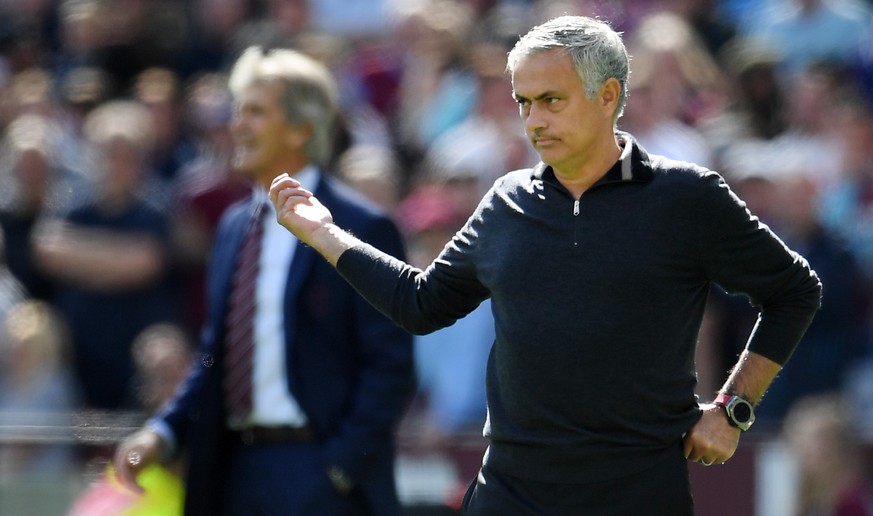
(744, 256)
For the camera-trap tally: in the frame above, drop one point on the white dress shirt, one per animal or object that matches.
(272, 403)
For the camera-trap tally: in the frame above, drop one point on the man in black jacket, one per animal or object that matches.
(598, 263)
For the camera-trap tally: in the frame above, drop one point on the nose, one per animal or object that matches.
(534, 119)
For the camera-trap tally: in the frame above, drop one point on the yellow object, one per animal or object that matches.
(164, 493)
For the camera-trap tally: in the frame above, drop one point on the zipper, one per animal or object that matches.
(575, 222)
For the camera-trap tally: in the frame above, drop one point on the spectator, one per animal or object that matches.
(375, 172)
(808, 31)
(141, 35)
(36, 391)
(847, 205)
(158, 89)
(835, 344)
(748, 15)
(107, 257)
(677, 83)
(488, 142)
(26, 37)
(358, 20)
(810, 144)
(832, 471)
(162, 356)
(32, 92)
(212, 40)
(437, 88)
(82, 37)
(31, 181)
(708, 20)
(758, 111)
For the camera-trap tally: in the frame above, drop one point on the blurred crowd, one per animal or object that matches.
(116, 164)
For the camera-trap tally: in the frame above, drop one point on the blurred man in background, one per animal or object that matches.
(300, 383)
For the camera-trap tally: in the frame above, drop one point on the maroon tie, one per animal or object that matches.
(240, 324)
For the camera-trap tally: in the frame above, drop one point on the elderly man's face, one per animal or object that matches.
(265, 141)
(562, 123)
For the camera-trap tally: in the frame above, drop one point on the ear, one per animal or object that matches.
(609, 94)
(296, 136)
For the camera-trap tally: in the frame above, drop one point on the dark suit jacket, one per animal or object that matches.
(350, 368)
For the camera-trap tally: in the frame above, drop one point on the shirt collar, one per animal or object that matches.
(633, 164)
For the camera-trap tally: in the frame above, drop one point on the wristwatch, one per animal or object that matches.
(740, 412)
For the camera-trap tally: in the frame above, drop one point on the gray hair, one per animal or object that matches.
(310, 94)
(598, 52)
(125, 120)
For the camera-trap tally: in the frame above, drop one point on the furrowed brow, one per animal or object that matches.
(541, 96)
(546, 95)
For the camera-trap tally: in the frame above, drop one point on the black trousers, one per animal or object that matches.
(663, 490)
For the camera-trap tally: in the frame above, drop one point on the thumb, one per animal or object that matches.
(686, 444)
(126, 470)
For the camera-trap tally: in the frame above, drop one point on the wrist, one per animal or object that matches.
(739, 411)
(331, 241)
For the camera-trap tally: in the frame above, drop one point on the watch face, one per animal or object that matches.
(742, 412)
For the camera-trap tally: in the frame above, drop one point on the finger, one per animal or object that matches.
(687, 446)
(705, 463)
(285, 180)
(283, 194)
(290, 201)
(286, 201)
(281, 197)
(304, 192)
(278, 178)
(281, 183)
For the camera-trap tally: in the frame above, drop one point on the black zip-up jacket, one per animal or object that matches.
(597, 304)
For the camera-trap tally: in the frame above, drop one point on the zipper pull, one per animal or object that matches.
(576, 207)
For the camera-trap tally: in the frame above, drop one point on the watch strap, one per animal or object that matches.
(722, 399)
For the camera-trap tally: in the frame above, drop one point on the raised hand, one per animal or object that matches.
(299, 211)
